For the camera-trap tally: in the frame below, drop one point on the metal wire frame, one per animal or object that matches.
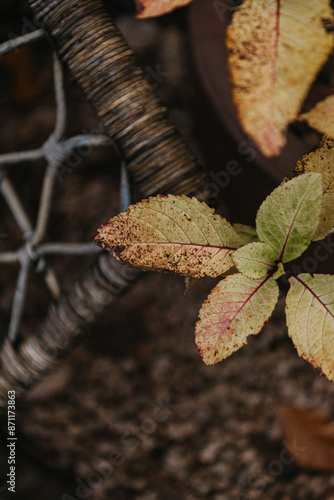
(31, 254)
(156, 154)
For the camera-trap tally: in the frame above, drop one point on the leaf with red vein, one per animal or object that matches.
(171, 233)
(153, 8)
(237, 307)
(276, 48)
(310, 319)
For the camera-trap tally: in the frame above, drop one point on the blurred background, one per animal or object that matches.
(133, 413)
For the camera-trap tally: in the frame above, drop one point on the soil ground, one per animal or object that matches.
(133, 413)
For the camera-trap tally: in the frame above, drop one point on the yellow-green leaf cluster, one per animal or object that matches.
(184, 236)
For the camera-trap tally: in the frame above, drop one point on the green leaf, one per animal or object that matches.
(248, 233)
(288, 218)
(171, 233)
(254, 260)
(321, 160)
(280, 271)
(310, 319)
(237, 307)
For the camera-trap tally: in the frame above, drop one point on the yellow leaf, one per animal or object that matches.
(153, 8)
(276, 48)
(310, 319)
(175, 234)
(321, 117)
(321, 160)
(237, 307)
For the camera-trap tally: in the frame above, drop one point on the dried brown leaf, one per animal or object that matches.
(321, 117)
(308, 437)
(154, 8)
(321, 160)
(276, 48)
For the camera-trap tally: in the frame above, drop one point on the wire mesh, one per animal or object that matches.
(31, 255)
(156, 155)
